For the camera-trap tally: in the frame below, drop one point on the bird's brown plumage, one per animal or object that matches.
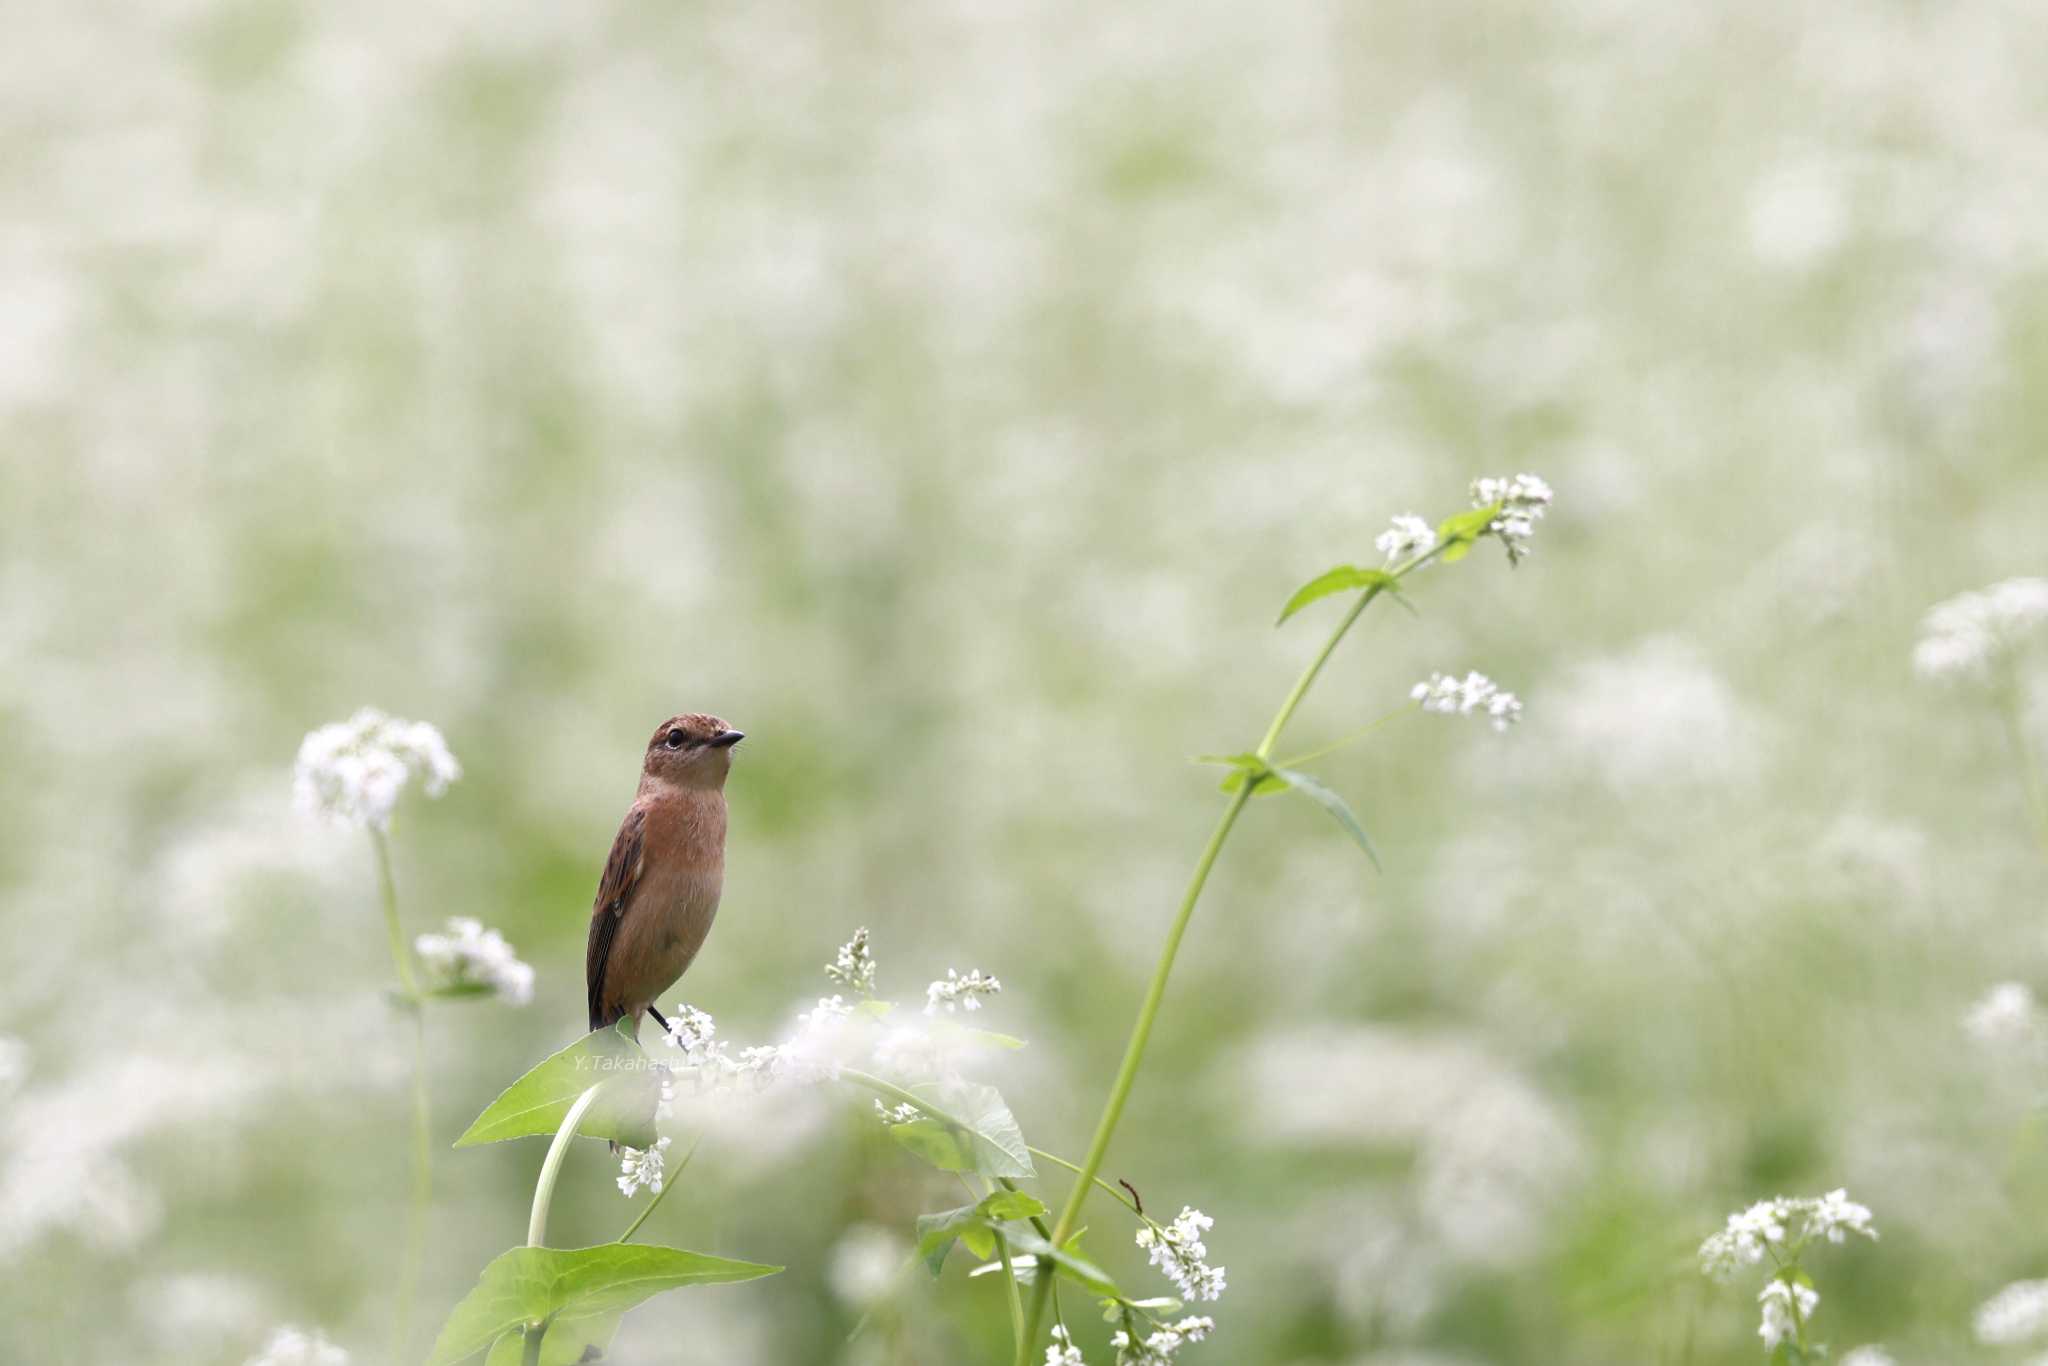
(661, 884)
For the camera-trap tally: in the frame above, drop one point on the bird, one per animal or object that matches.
(661, 883)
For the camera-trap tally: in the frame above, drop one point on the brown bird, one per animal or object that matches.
(661, 884)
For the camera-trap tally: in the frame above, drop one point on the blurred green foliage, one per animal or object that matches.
(948, 395)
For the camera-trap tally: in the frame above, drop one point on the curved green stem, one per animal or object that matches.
(551, 1169)
(422, 1142)
(1155, 991)
(543, 1199)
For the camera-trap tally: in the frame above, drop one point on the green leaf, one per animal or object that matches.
(990, 1142)
(939, 1144)
(539, 1101)
(569, 1342)
(1000, 1205)
(937, 1232)
(1332, 803)
(530, 1284)
(999, 1148)
(1069, 1263)
(1459, 532)
(457, 991)
(1245, 765)
(1339, 580)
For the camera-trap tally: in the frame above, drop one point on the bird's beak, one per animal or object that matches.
(726, 739)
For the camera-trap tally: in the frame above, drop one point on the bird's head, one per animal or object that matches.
(691, 750)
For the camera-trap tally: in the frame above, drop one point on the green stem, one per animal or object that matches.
(551, 1168)
(422, 1141)
(1353, 738)
(1155, 992)
(1010, 1289)
(543, 1198)
(668, 1183)
(1058, 1161)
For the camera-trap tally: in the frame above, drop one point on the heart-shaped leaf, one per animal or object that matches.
(538, 1284)
(987, 1139)
(539, 1101)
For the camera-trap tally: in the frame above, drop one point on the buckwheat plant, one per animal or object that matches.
(1978, 643)
(915, 1066)
(1781, 1231)
(351, 773)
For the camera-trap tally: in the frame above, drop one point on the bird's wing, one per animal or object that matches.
(614, 890)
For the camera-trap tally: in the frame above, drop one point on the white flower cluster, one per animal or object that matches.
(290, 1346)
(897, 1114)
(1786, 1306)
(1870, 1355)
(1178, 1250)
(352, 771)
(2018, 1313)
(1523, 501)
(1782, 1226)
(709, 1061)
(2003, 1015)
(1408, 537)
(1062, 1352)
(1475, 692)
(642, 1167)
(1159, 1347)
(1972, 633)
(955, 992)
(854, 969)
(470, 955)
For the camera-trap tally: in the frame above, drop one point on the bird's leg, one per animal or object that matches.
(658, 1019)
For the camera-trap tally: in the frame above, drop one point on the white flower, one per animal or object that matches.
(1063, 1352)
(955, 992)
(639, 1168)
(1743, 1241)
(1409, 537)
(2005, 1014)
(1782, 1225)
(1871, 1355)
(865, 1263)
(2018, 1313)
(1971, 634)
(470, 955)
(352, 771)
(290, 1346)
(805, 1057)
(1179, 1252)
(905, 1113)
(1780, 1319)
(1523, 501)
(1475, 692)
(1158, 1348)
(854, 968)
(1834, 1215)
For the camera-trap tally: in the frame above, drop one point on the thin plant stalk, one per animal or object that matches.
(667, 1185)
(544, 1198)
(422, 1158)
(1155, 992)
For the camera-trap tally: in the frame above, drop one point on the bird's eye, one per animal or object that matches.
(675, 739)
